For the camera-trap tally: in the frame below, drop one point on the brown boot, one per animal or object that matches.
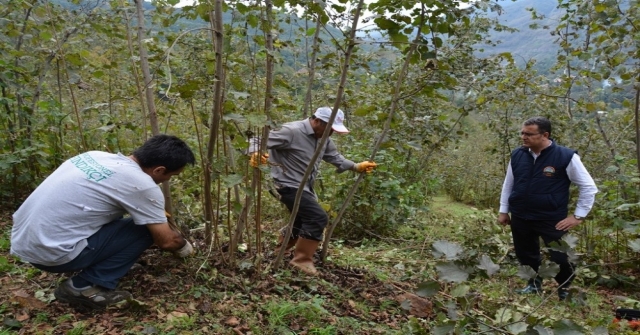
(287, 250)
(303, 255)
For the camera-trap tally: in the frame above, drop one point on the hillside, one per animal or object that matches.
(526, 44)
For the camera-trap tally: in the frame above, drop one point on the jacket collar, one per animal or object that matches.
(307, 127)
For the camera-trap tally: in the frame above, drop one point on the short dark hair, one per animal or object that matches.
(544, 125)
(164, 150)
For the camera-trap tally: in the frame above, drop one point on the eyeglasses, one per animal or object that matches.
(525, 134)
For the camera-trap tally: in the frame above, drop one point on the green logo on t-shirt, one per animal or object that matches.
(91, 168)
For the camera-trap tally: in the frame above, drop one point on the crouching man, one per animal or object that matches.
(74, 221)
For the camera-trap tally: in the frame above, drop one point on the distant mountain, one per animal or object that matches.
(528, 43)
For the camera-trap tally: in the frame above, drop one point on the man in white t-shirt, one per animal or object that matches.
(73, 221)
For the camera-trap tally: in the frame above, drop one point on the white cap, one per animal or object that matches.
(324, 113)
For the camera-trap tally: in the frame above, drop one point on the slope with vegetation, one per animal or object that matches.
(439, 119)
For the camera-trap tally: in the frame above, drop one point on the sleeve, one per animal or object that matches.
(507, 186)
(146, 206)
(278, 139)
(333, 157)
(587, 188)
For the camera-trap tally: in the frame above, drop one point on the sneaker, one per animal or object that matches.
(94, 297)
(563, 293)
(534, 286)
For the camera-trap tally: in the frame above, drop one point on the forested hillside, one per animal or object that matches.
(434, 92)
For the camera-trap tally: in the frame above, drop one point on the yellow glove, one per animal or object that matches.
(365, 166)
(254, 159)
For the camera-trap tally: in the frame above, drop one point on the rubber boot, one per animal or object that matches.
(533, 286)
(303, 256)
(287, 250)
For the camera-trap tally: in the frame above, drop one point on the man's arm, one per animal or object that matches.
(333, 157)
(278, 139)
(165, 237)
(507, 186)
(579, 175)
(587, 188)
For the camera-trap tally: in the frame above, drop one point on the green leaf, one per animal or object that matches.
(567, 327)
(242, 8)
(444, 329)
(634, 245)
(451, 272)
(525, 272)
(591, 107)
(450, 250)
(98, 74)
(488, 265)
(4, 264)
(460, 291)
(542, 330)
(386, 24)
(234, 117)
(572, 240)
(548, 270)
(231, 180)
(45, 35)
(517, 328)
(364, 110)
(11, 323)
(428, 289)
(311, 31)
(503, 315)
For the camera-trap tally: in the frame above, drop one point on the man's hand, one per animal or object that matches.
(365, 166)
(504, 219)
(185, 251)
(256, 156)
(568, 223)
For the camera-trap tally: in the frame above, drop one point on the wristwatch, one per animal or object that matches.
(579, 218)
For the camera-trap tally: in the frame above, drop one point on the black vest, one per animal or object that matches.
(541, 188)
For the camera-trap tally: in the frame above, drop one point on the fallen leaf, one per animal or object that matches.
(23, 316)
(232, 321)
(27, 301)
(418, 306)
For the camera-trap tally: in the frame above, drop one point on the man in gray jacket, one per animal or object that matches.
(290, 151)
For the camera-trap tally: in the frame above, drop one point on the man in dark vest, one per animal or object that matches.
(536, 193)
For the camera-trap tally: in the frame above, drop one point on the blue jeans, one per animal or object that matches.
(109, 254)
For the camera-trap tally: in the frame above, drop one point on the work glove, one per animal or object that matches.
(254, 159)
(185, 251)
(365, 166)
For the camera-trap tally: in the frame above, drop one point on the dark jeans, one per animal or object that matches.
(109, 255)
(526, 241)
(311, 218)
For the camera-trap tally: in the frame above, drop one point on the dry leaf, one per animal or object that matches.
(232, 321)
(27, 301)
(22, 316)
(420, 307)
